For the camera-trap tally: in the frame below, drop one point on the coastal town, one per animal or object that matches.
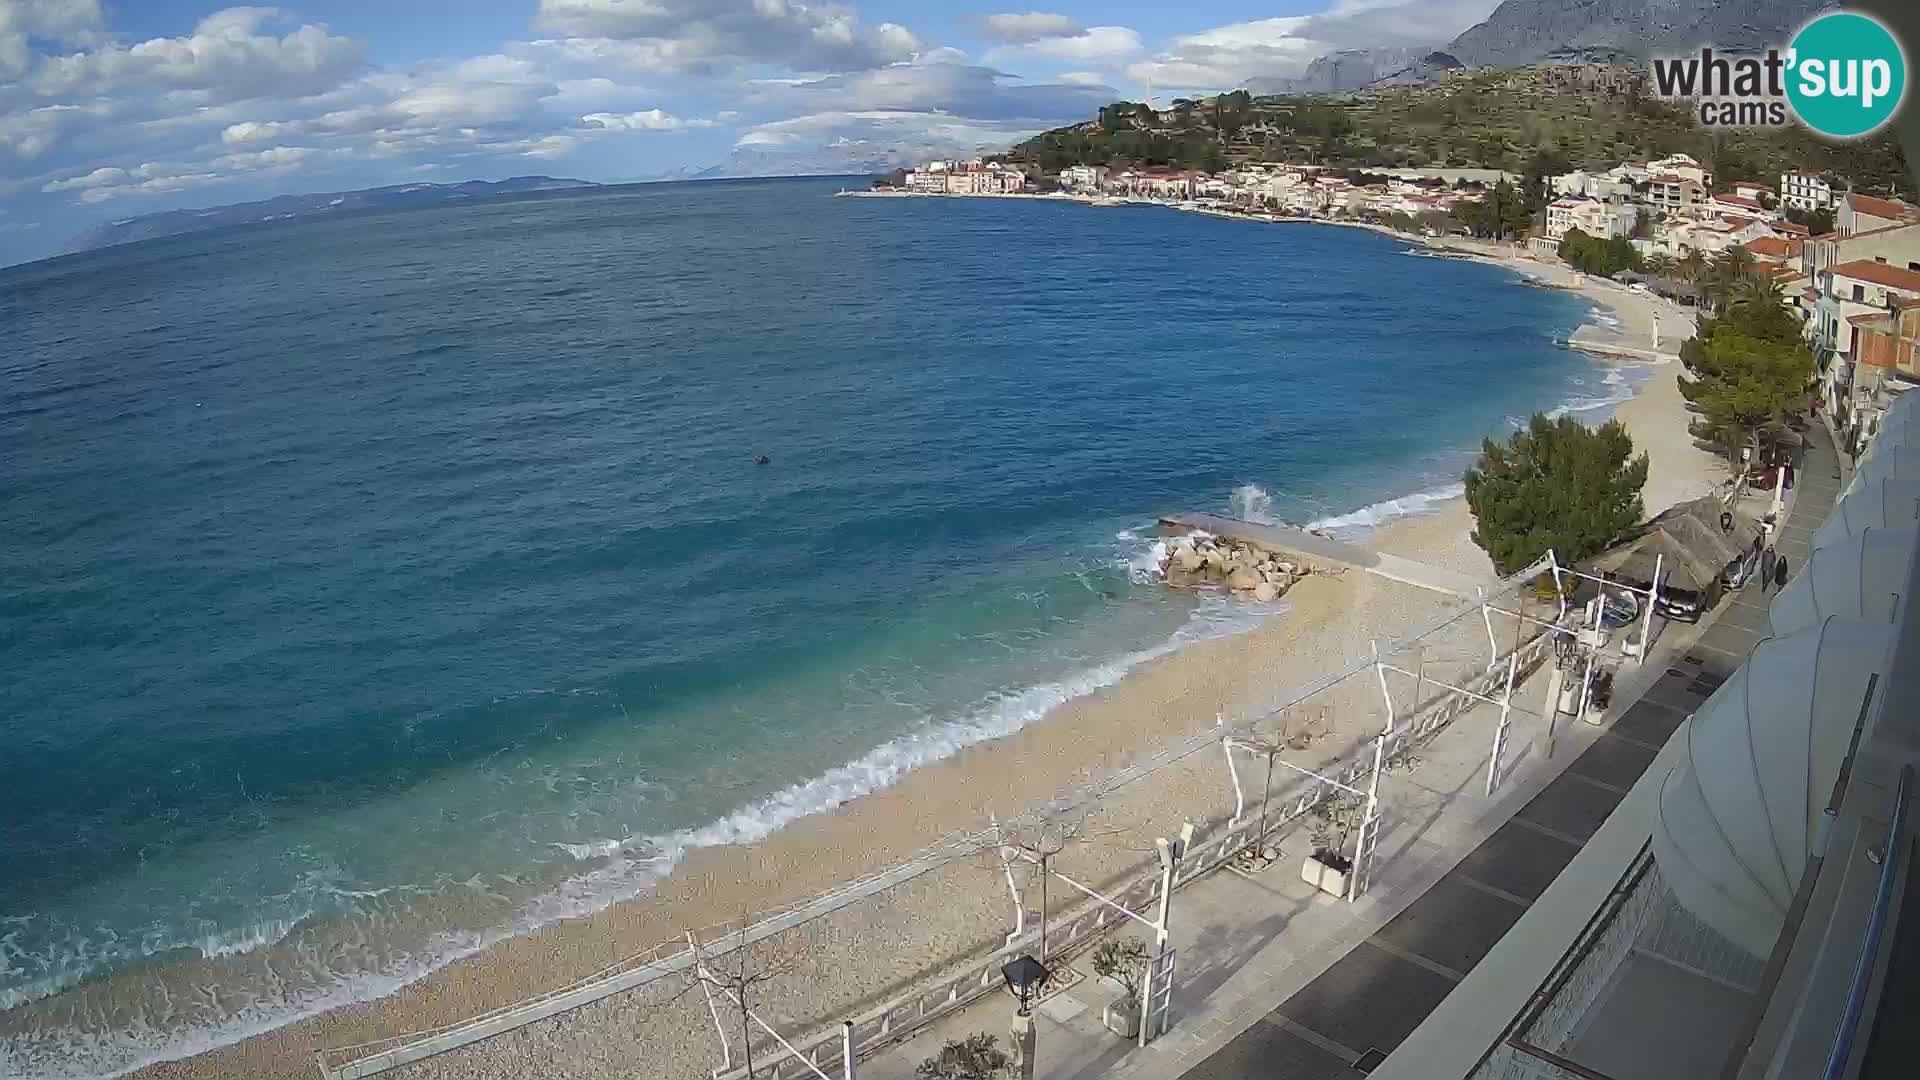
(1848, 262)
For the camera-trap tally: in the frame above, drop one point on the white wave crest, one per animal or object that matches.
(1251, 502)
(245, 939)
(1374, 515)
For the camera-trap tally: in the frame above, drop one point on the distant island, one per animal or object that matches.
(283, 207)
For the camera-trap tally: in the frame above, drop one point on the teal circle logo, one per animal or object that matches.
(1846, 75)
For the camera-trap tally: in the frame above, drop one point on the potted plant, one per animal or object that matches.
(972, 1058)
(1124, 963)
(1327, 868)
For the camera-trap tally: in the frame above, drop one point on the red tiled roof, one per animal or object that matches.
(1752, 184)
(1892, 277)
(1791, 227)
(1771, 246)
(1892, 209)
(1739, 200)
(1862, 320)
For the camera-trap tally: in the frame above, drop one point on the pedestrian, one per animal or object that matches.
(1767, 561)
(1780, 574)
(1726, 522)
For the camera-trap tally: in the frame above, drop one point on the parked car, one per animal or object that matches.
(1681, 605)
(1678, 604)
(1740, 570)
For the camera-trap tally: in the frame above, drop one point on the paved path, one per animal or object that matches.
(1743, 617)
(1358, 1010)
(1326, 549)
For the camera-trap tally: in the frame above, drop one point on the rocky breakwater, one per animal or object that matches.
(1198, 560)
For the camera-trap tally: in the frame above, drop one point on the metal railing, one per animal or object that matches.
(1864, 964)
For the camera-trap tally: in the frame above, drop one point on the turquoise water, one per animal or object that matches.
(380, 586)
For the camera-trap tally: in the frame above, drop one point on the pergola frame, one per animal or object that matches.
(1171, 852)
(709, 982)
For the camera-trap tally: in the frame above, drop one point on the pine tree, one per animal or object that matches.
(1555, 484)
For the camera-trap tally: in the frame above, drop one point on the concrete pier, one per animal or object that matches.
(1322, 549)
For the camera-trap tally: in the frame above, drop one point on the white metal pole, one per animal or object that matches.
(1380, 670)
(1593, 655)
(1233, 774)
(1506, 716)
(1493, 646)
(1168, 862)
(706, 985)
(1013, 889)
(846, 1049)
(1559, 591)
(1646, 624)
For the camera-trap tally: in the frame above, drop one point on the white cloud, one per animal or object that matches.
(1227, 57)
(1095, 45)
(644, 120)
(158, 177)
(252, 131)
(227, 56)
(68, 22)
(958, 90)
(1081, 78)
(1018, 29)
(910, 133)
(100, 177)
(714, 36)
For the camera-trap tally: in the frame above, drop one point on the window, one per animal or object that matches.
(1881, 259)
(1859, 292)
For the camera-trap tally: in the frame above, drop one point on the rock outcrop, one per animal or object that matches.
(1199, 560)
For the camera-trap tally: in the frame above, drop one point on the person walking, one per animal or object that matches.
(1780, 573)
(1767, 561)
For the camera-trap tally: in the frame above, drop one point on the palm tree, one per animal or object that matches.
(1754, 291)
(1691, 265)
(1726, 275)
(1660, 266)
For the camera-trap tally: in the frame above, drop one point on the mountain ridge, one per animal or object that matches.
(283, 207)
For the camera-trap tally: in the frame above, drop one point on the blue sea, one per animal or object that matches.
(376, 587)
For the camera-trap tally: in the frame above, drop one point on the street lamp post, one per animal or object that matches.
(1025, 976)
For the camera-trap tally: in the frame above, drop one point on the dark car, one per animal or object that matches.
(1740, 569)
(1678, 604)
(1681, 605)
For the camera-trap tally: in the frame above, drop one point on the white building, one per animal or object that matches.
(1084, 177)
(1605, 220)
(1672, 193)
(1805, 191)
(1683, 166)
(1592, 185)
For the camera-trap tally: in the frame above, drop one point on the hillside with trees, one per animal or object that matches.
(1479, 119)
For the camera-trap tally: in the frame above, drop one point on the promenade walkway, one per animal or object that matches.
(1351, 1015)
(1325, 549)
(1278, 980)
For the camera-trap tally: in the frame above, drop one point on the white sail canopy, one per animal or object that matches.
(1858, 577)
(1893, 502)
(1738, 821)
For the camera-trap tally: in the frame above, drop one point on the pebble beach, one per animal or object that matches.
(962, 909)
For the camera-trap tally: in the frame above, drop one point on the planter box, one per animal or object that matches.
(1122, 1017)
(1323, 877)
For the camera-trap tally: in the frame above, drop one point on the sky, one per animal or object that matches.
(109, 110)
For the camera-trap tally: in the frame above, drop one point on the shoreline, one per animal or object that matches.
(1089, 736)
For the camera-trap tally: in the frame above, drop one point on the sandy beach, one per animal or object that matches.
(854, 959)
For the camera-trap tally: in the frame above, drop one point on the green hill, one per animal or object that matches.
(1520, 121)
